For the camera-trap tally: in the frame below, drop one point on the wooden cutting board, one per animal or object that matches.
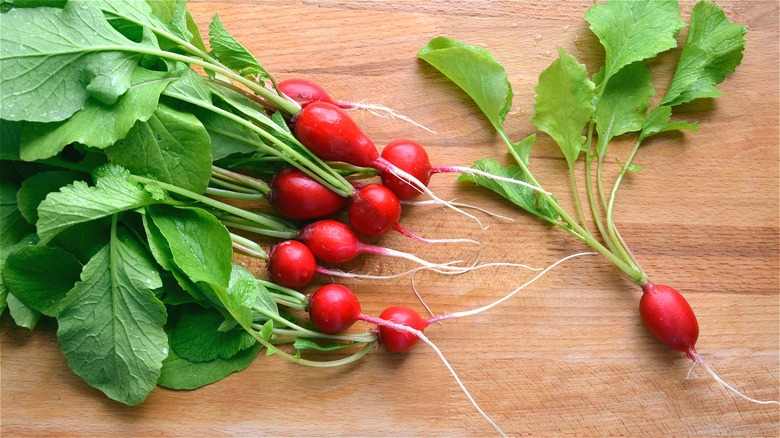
(566, 356)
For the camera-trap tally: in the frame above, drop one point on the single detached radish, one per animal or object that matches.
(333, 308)
(412, 158)
(296, 195)
(395, 340)
(305, 92)
(374, 210)
(669, 318)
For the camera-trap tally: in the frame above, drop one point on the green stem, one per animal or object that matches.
(232, 194)
(310, 333)
(241, 179)
(285, 290)
(572, 226)
(267, 223)
(249, 247)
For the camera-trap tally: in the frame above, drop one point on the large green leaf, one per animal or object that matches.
(40, 276)
(98, 125)
(111, 326)
(114, 191)
(231, 53)
(564, 104)
(624, 103)
(74, 55)
(634, 30)
(172, 146)
(179, 373)
(197, 338)
(713, 49)
(474, 70)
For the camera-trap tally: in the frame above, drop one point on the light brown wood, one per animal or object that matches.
(568, 356)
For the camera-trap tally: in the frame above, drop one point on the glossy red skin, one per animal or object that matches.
(331, 241)
(296, 195)
(331, 134)
(398, 341)
(291, 264)
(669, 317)
(410, 157)
(333, 308)
(375, 210)
(305, 92)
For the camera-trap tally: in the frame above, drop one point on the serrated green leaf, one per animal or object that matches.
(713, 49)
(231, 53)
(35, 188)
(634, 30)
(114, 192)
(49, 77)
(475, 71)
(41, 276)
(181, 374)
(657, 121)
(564, 104)
(111, 328)
(623, 104)
(98, 125)
(172, 146)
(521, 196)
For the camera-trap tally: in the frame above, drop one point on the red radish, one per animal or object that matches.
(296, 195)
(333, 308)
(374, 210)
(412, 158)
(334, 242)
(291, 264)
(669, 318)
(305, 92)
(395, 340)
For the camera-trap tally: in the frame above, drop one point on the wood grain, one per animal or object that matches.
(566, 357)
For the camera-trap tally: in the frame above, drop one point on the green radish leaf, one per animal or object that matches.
(181, 374)
(49, 77)
(190, 87)
(13, 226)
(228, 137)
(196, 39)
(22, 314)
(521, 196)
(564, 104)
(657, 121)
(474, 70)
(624, 103)
(713, 49)
(231, 53)
(98, 125)
(172, 146)
(36, 187)
(200, 246)
(111, 324)
(634, 30)
(166, 17)
(196, 336)
(114, 191)
(521, 150)
(40, 277)
(10, 140)
(8, 249)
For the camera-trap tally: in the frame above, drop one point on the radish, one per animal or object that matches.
(305, 92)
(332, 241)
(291, 264)
(333, 308)
(296, 195)
(412, 158)
(396, 340)
(331, 134)
(374, 210)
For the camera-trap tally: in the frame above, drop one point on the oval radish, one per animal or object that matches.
(669, 317)
(374, 210)
(296, 195)
(333, 308)
(395, 340)
(291, 264)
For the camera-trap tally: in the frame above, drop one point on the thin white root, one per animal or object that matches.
(388, 113)
(462, 205)
(345, 274)
(698, 360)
(421, 335)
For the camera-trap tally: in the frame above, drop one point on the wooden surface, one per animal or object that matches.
(568, 355)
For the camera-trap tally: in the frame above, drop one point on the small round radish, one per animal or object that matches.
(374, 210)
(332, 241)
(669, 318)
(412, 158)
(333, 308)
(395, 340)
(296, 195)
(291, 264)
